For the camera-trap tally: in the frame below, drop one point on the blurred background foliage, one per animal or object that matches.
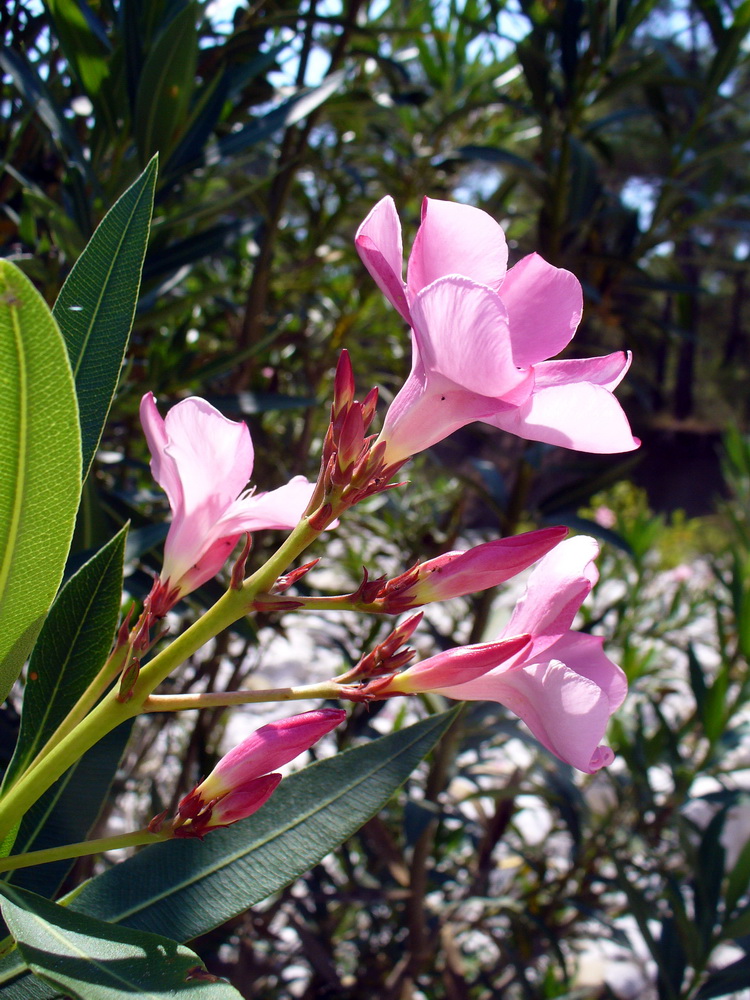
(612, 137)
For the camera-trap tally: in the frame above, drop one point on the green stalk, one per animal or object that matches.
(108, 714)
(230, 607)
(78, 712)
(81, 850)
(219, 699)
(343, 602)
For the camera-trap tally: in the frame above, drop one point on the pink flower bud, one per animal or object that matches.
(352, 437)
(454, 574)
(240, 783)
(456, 666)
(388, 656)
(343, 385)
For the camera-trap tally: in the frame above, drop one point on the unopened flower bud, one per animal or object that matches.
(455, 574)
(240, 783)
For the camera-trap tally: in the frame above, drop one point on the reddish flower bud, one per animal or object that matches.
(454, 574)
(240, 783)
(343, 385)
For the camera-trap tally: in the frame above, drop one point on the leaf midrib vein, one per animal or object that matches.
(20, 477)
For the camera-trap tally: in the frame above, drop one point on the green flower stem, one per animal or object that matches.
(219, 699)
(85, 703)
(339, 602)
(230, 607)
(108, 714)
(293, 545)
(86, 847)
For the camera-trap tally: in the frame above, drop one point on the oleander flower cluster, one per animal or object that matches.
(484, 337)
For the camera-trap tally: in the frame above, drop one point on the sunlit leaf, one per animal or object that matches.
(40, 466)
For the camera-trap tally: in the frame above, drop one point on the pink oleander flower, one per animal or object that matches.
(482, 336)
(559, 683)
(202, 460)
(240, 783)
(455, 574)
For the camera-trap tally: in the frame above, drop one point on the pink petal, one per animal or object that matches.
(428, 408)
(566, 712)
(556, 589)
(243, 802)
(457, 666)
(191, 576)
(213, 455)
(378, 243)
(461, 330)
(457, 573)
(584, 654)
(269, 748)
(607, 371)
(582, 416)
(544, 304)
(456, 239)
(163, 467)
(276, 509)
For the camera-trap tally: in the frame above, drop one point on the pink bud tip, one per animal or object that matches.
(343, 384)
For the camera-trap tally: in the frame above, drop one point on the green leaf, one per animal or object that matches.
(289, 112)
(738, 879)
(86, 47)
(709, 873)
(96, 305)
(33, 89)
(738, 926)
(40, 466)
(213, 240)
(185, 888)
(207, 110)
(71, 649)
(95, 961)
(166, 86)
(493, 154)
(66, 813)
(731, 979)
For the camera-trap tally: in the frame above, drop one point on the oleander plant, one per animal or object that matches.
(253, 453)
(480, 352)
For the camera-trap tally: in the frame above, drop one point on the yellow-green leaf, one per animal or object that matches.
(40, 466)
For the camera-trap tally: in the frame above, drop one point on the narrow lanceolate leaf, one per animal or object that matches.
(94, 961)
(33, 89)
(40, 466)
(96, 305)
(166, 86)
(84, 41)
(72, 648)
(66, 812)
(729, 981)
(185, 888)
